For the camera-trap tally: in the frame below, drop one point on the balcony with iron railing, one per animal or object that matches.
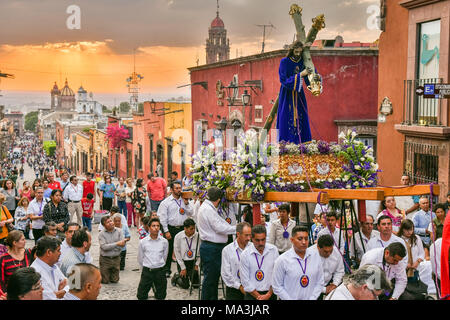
(423, 117)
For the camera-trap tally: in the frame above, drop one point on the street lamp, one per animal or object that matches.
(230, 92)
(245, 102)
(153, 107)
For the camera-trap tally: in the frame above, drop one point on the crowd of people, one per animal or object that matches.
(207, 239)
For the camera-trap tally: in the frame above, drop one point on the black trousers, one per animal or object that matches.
(233, 294)
(248, 296)
(107, 203)
(37, 234)
(156, 277)
(123, 254)
(191, 273)
(173, 232)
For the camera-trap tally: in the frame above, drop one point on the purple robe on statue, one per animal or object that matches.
(292, 116)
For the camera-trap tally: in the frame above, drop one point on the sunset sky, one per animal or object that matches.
(169, 36)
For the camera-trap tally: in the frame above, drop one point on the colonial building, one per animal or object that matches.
(217, 45)
(348, 100)
(64, 99)
(413, 131)
(87, 106)
(16, 118)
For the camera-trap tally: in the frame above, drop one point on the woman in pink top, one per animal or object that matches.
(388, 208)
(156, 188)
(26, 191)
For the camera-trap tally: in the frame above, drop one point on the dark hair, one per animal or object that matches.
(153, 220)
(325, 240)
(383, 203)
(55, 191)
(12, 237)
(383, 217)
(188, 222)
(214, 194)
(46, 243)
(104, 218)
(408, 225)
(240, 226)
(299, 229)
(114, 209)
(21, 282)
(258, 229)
(85, 272)
(332, 214)
(440, 206)
(90, 196)
(248, 217)
(145, 220)
(396, 249)
(175, 173)
(139, 182)
(285, 206)
(150, 175)
(79, 237)
(72, 177)
(4, 184)
(47, 225)
(71, 224)
(295, 45)
(173, 183)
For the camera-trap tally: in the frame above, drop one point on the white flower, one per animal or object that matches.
(330, 180)
(364, 184)
(357, 167)
(296, 182)
(258, 171)
(346, 177)
(318, 181)
(341, 135)
(262, 179)
(253, 182)
(282, 184)
(356, 183)
(338, 179)
(288, 182)
(362, 159)
(348, 187)
(353, 134)
(302, 187)
(302, 181)
(375, 166)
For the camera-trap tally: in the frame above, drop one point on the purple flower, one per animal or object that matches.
(324, 147)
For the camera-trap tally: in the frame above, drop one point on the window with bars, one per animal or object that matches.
(421, 162)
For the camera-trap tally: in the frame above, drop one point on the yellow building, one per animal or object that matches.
(81, 141)
(99, 150)
(177, 134)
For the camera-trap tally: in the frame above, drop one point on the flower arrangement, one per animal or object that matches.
(361, 170)
(252, 173)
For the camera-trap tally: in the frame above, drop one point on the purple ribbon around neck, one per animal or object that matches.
(257, 262)
(301, 266)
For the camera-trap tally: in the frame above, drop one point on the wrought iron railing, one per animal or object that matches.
(421, 162)
(418, 110)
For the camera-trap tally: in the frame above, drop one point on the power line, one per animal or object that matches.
(264, 26)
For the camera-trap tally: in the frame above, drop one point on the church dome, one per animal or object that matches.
(55, 89)
(81, 90)
(66, 91)
(217, 23)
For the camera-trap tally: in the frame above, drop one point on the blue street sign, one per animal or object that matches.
(429, 89)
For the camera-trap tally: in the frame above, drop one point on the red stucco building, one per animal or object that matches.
(349, 98)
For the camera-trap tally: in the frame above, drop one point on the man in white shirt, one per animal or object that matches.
(298, 273)
(70, 228)
(214, 233)
(408, 203)
(173, 211)
(335, 231)
(185, 246)
(332, 264)
(35, 213)
(229, 215)
(73, 195)
(366, 283)
(385, 237)
(256, 267)
(366, 234)
(390, 260)
(53, 280)
(152, 255)
(231, 257)
(270, 209)
(436, 259)
(81, 243)
(280, 229)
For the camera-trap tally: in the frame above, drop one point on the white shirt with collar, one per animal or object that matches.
(288, 273)
(229, 269)
(64, 247)
(335, 236)
(436, 262)
(359, 249)
(51, 276)
(276, 235)
(230, 213)
(73, 192)
(340, 293)
(249, 266)
(181, 244)
(169, 212)
(211, 226)
(123, 221)
(153, 253)
(37, 209)
(397, 272)
(333, 267)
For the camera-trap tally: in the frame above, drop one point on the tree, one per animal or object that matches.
(124, 107)
(31, 120)
(141, 108)
(105, 109)
(116, 134)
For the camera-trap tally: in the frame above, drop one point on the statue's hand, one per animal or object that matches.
(316, 77)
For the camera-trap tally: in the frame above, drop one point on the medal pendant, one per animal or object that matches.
(228, 220)
(304, 281)
(285, 234)
(190, 254)
(181, 211)
(259, 275)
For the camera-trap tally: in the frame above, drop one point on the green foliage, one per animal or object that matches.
(124, 107)
(105, 109)
(49, 147)
(31, 120)
(141, 107)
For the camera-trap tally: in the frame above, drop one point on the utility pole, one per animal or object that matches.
(264, 26)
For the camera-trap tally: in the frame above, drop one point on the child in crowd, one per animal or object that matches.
(88, 208)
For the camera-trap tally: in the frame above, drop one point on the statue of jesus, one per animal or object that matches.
(292, 114)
